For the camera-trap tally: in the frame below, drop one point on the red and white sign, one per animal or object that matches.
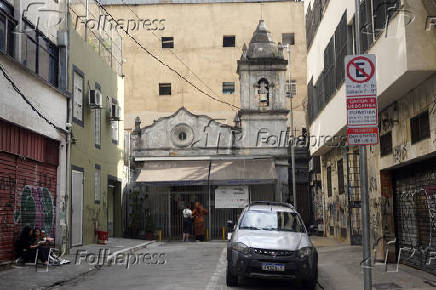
(362, 111)
(361, 90)
(362, 136)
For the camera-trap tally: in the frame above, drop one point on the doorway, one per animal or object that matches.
(76, 207)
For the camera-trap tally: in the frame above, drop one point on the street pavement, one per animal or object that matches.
(196, 265)
(191, 265)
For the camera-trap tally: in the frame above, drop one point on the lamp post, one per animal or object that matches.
(291, 128)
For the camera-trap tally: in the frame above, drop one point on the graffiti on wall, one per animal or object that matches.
(36, 208)
(399, 153)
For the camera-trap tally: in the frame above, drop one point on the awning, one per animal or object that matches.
(238, 172)
(174, 173)
(222, 172)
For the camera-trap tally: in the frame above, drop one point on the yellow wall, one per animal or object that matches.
(198, 31)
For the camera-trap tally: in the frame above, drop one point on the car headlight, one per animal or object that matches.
(304, 252)
(242, 248)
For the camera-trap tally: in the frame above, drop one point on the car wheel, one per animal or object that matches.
(311, 284)
(231, 280)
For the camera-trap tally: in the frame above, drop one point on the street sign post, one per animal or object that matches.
(361, 90)
(368, 76)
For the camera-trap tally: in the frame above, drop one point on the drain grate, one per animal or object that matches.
(381, 286)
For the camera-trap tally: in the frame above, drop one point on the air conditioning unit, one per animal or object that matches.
(115, 112)
(95, 99)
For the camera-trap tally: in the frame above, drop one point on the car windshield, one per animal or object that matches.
(272, 220)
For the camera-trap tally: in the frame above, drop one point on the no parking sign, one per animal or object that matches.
(361, 89)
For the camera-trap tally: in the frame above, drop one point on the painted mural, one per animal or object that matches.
(36, 208)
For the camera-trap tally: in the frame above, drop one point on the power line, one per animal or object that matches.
(16, 89)
(172, 52)
(165, 64)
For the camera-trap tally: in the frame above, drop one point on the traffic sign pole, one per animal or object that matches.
(366, 245)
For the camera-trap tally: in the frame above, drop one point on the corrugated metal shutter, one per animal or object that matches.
(22, 142)
(27, 184)
(7, 205)
(415, 214)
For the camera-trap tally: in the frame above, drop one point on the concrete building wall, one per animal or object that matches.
(199, 55)
(84, 153)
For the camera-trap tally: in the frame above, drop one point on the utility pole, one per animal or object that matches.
(291, 129)
(363, 166)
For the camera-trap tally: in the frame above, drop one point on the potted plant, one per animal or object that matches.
(149, 228)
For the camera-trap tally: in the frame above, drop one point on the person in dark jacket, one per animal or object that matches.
(28, 243)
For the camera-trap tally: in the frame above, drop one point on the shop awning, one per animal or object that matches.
(222, 172)
(238, 172)
(174, 173)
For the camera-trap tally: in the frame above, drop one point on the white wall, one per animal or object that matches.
(52, 104)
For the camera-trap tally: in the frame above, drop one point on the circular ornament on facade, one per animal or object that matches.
(182, 135)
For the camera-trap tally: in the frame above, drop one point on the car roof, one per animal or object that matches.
(271, 206)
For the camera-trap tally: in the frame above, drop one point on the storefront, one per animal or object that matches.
(163, 189)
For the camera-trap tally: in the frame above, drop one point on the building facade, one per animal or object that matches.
(33, 133)
(201, 40)
(401, 171)
(184, 157)
(97, 160)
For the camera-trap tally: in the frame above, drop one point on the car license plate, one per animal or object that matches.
(273, 267)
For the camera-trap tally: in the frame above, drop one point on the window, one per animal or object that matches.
(167, 42)
(78, 83)
(115, 132)
(97, 183)
(386, 144)
(291, 89)
(6, 35)
(341, 180)
(329, 180)
(420, 127)
(263, 92)
(229, 41)
(97, 122)
(288, 38)
(272, 221)
(164, 89)
(228, 88)
(2, 33)
(341, 50)
(40, 55)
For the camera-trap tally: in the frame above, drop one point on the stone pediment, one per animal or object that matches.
(184, 130)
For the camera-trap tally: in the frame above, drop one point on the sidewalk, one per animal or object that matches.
(26, 277)
(339, 269)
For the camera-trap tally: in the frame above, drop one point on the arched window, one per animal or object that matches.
(263, 92)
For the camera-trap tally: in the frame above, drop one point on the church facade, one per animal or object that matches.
(184, 157)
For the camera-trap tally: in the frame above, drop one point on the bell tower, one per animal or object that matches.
(262, 76)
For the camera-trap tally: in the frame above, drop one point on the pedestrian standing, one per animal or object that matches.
(187, 223)
(198, 213)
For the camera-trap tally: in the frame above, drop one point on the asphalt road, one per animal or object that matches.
(188, 266)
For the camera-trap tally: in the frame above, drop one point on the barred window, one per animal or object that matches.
(420, 127)
(329, 181)
(341, 179)
(386, 144)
